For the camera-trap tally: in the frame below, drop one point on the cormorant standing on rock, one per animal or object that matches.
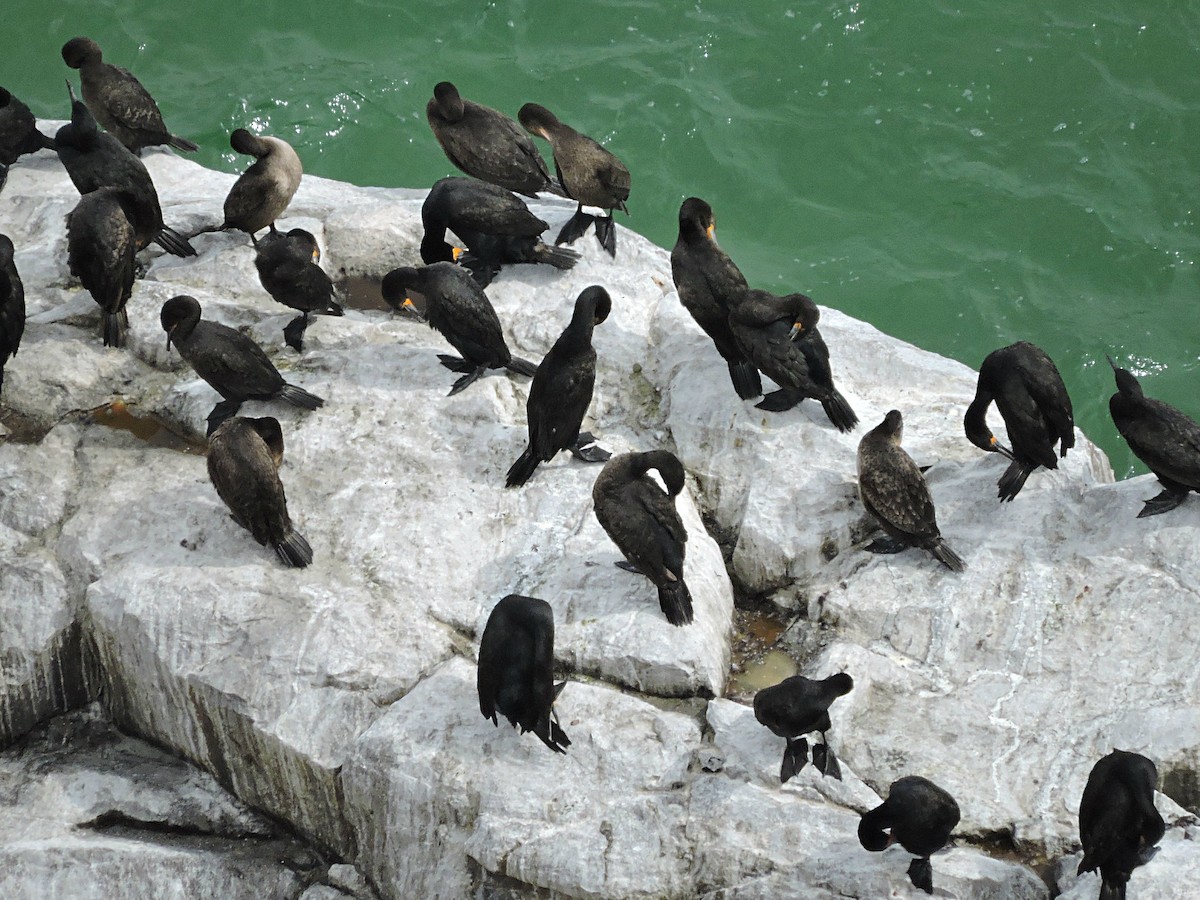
(893, 490)
(590, 175)
(1033, 401)
(232, 364)
(796, 706)
(118, 100)
(1118, 824)
(94, 160)
(263, 191)
(709, 285)
(486, 144)
(516, 669)
(496, 226)
(12, 305)
(779, 336)
(243, 464)
(100, 248)
(287, 267)
(19, 133)
(1165, 439)
(920, 816)
(561, 391)
(642, 521)
(458, 309)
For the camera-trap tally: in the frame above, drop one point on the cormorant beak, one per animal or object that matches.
(455, 253)
(998, 447)
(169, 331)
(797, 328)
(410, 309)
(316, 255)
(712, 227)
(1111, 363)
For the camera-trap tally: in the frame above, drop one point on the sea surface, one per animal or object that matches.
(962, 175)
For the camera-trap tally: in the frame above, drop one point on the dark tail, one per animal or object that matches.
(174, 242)
(294, 551)
(746, 380)
(522, 469)
(676, 602)
(1013, 480)
(115, 325)
(947, 557)
(839, 411)
(298, 396)
(1112, 890)
(521, 366)
(183, 144)
(559, 257)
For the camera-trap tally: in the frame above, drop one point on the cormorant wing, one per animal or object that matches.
(130, 104)
(896, 492)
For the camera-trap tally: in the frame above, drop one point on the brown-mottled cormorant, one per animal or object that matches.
(920, 816)
(287, 267)
(263, 191)
(1118, 824)
(12, 305)
(516, 669)
(101, 244)
(642, 521)
(796, 706)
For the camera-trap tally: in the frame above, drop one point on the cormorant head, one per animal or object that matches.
(891, 428)
(696, 219)
(5, 97)
(598, 299)
(841, 682)
(806, 315)
(79, 51)
(306, 242)
(872, 838)
(182, 310)
(980, 435)
(268, 429)
(537, 120)
(395, 287)
(448, 101)
(1127, 382)
(247, 143)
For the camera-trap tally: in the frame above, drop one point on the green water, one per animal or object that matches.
(962, 175)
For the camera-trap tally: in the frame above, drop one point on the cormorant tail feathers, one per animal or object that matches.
(839, 411)
(676, 602)
(521, 366)
(114, 328)
(559, 257)
(746, 380)
(1013, 480)
(298, 396)
(294, 551)
(522, 470)
(183, 144)
(174, 242)
(947, 557)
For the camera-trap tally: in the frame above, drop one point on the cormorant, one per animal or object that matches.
(100, 248)
(893, 490)
(561, 391)
(496, 226)
(19, 133)
(457, 308)
(516, 669)
(1164, 438)
(287, 267)
(709, 285)
(118, 100)
(243, 464)
(590, 175)
(779, 336)
(920, 815)
(796, 706)
(263, 191)
(1033, 401)
(486, 144)
(12, 305)
(232, 364)
(642, 521)
(94, 159)
(1118, 824)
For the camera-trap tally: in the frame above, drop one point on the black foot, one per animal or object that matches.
(224, 410)
(779, 401)
(920, 873)
(1161, 503)
(795, 758)
(575, 227)
(455, 363)
(628, 566)
(606, 234)
(886, 545)
(825, 762)
(293, 333)
(586, 450)
(466, 381)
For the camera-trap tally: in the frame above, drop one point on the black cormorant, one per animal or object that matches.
(1033, 401)
(1164, 438)
(244, 456)
(516, 669)
(12, 305)
(118, 100)
(19, 133)
(920, 816)
(589, 173)
(561, 391)
(795, 707)
(458, 309)
(1118, 824)
(287, 267)
(779, 335)
(709, 285)
(642, 521)
(263, 191)
(893, 490)
(101, 244)
(232, 364)
(496, 226)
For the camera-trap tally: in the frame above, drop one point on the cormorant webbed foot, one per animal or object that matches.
(606, 234)
(293, 333)
(825, 762)
(575, 227)
(455, 363)
(467, 380)
(779, 401)
(920, 873)
(222, 411)
(795, 758)
(886, 545)
(1162, 502)
(585, 449)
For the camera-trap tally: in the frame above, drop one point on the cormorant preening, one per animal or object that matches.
(796, 706)
(486, 144)
(457, 308)
(263, 191)
(1165, 439)
(100, 248)
(496, 226)
(516, 669)
(94, 160)
(118, 100)
(243, 464)
(232, 364)
(561, 391)
(642, 521)
(1033, 401)
(1118, 824)
(779, 336)
(709, 286)
(287, 267)
(920, 816)
(19, 133)
(589, 174)
(12, 305)
(893, 490)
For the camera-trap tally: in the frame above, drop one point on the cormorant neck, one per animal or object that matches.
(434, 247)
(975, 422)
